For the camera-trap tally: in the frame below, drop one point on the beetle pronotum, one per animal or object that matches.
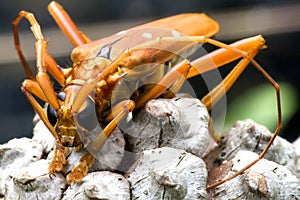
(101, 64)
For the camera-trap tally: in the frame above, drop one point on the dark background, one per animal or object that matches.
(278, 21)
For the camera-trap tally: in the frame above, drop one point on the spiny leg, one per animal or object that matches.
(30, 87)
(176, 73)
(118, 113)
(48, 60)
(245, 45)
(41, 86)
(232, 50)
(44, 90)
(200, 65)
(67, 25)
(223, 87)
(216, 94)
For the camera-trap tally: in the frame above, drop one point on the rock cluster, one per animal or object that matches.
(160, 152)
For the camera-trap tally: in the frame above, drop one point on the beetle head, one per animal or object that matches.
(67, 124)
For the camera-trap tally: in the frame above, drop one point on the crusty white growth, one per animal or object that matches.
(179, 123)
(168, 173)
(170, 136)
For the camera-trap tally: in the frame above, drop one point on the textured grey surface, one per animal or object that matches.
(265, 180)
(180, 123)
(248, 135)
(168, 173)
(99, 185)
(166, 169)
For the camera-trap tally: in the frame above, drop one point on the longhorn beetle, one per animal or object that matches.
(99, 65)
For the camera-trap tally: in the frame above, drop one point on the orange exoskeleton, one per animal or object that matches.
(99, 65)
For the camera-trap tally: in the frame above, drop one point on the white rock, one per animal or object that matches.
(42, 135)
(34, 182)
(113, 148)
(16, 154)
(264, 180)
(248, 135)
(163, 173)
(179, 123)
(99, 185)
(168, 173)
(296, 145)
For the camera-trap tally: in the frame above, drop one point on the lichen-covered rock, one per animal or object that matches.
(167, 137)
(168, 173)
(248, 135)
(113, 148)
(264, 180)
(99, 185)
(42, 135)
(179, 123)
(296, 145)
(34, 182)
(15, 155)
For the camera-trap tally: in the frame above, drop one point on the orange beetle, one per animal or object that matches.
(99, 65)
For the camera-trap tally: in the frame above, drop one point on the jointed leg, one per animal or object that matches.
(67, 25)
(224, 86)
(39, 110)
(176, 73)
(81, 170)
(214, 95)
(225, 55)
(230, 52)
(45, 60)
(41, 86)
(118, 113)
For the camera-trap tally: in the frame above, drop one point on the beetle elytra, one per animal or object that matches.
(99, 65)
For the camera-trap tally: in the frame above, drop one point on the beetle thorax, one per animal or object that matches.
(66, 129)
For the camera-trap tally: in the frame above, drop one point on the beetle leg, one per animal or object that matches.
(34, 88)
(118, 113)
(67, 25)
(28, 89)
(50, 63)
(41, 86)
(59, 159)
(81, 170)
(219, 91)
(43, 60)
(230, 52)
(175, 73)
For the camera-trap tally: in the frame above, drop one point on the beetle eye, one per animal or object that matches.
(61, 96)
(52, 116)
(51, 113)
(87, 118)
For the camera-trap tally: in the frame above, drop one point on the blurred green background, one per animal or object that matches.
(251, 97)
